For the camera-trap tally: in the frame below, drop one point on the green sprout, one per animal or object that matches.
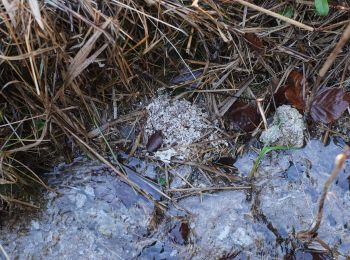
(161, 181)
(261, 155)
(288, 11)
(322, 7)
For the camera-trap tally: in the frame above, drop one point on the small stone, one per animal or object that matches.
(174, 252)
(80, 200)
(287, 128)
(151, 172)
(37, 237)
(165, 155)
(242, 237)
(35, 225)
(90, 191)
(224, 233)
(105, 230)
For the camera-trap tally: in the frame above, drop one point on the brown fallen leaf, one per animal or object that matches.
(255, 42)
(179, 233)
(329, 104)
(292, 92)
(280, 97)
(155, 141)
(242, 116)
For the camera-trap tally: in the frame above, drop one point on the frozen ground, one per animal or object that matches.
(98, 216)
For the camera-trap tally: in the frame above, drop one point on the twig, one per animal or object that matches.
(29, 146)
(148, 16)
(347, 63)
(199, 166)
(312, 3)
(27, 204)
(339, 165)
(4, 253)
(342, 41)
(230, 101)
(276, 15)
(209, 189)
(261, 110)
(95, 132)
(119, 173)
(29, 54)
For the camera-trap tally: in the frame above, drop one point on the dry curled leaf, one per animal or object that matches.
(292, 93)
(329, 105)
(255, 42)
(155, 141)
(294, 90)
(242, 116)
(179, 233)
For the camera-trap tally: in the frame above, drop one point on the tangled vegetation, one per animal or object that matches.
(73, 72)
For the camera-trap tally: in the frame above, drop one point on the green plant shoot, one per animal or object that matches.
(161, 181)
(261, 155)
(322, 7)
(288, 11)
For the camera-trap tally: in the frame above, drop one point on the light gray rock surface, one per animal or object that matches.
(97, 216)
(290, 184)
(287, 128)
(222, 224)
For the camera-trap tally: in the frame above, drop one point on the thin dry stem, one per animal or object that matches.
(338, 166)
(276, 15)
(342, 41)
(4, 253)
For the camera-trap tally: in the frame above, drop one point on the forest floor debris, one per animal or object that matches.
(182, 125)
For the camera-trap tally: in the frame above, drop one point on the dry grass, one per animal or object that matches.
(73, 66)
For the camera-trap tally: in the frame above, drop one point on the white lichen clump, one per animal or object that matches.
(287, 128)
(182, 125)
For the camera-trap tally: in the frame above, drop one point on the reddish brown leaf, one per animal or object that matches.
(255, 42)
(329, 104)
(154, 141)
(292, 92)
(295, 97)
(295, 78)
(179, 233)
(280, 97)
(242, 116)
